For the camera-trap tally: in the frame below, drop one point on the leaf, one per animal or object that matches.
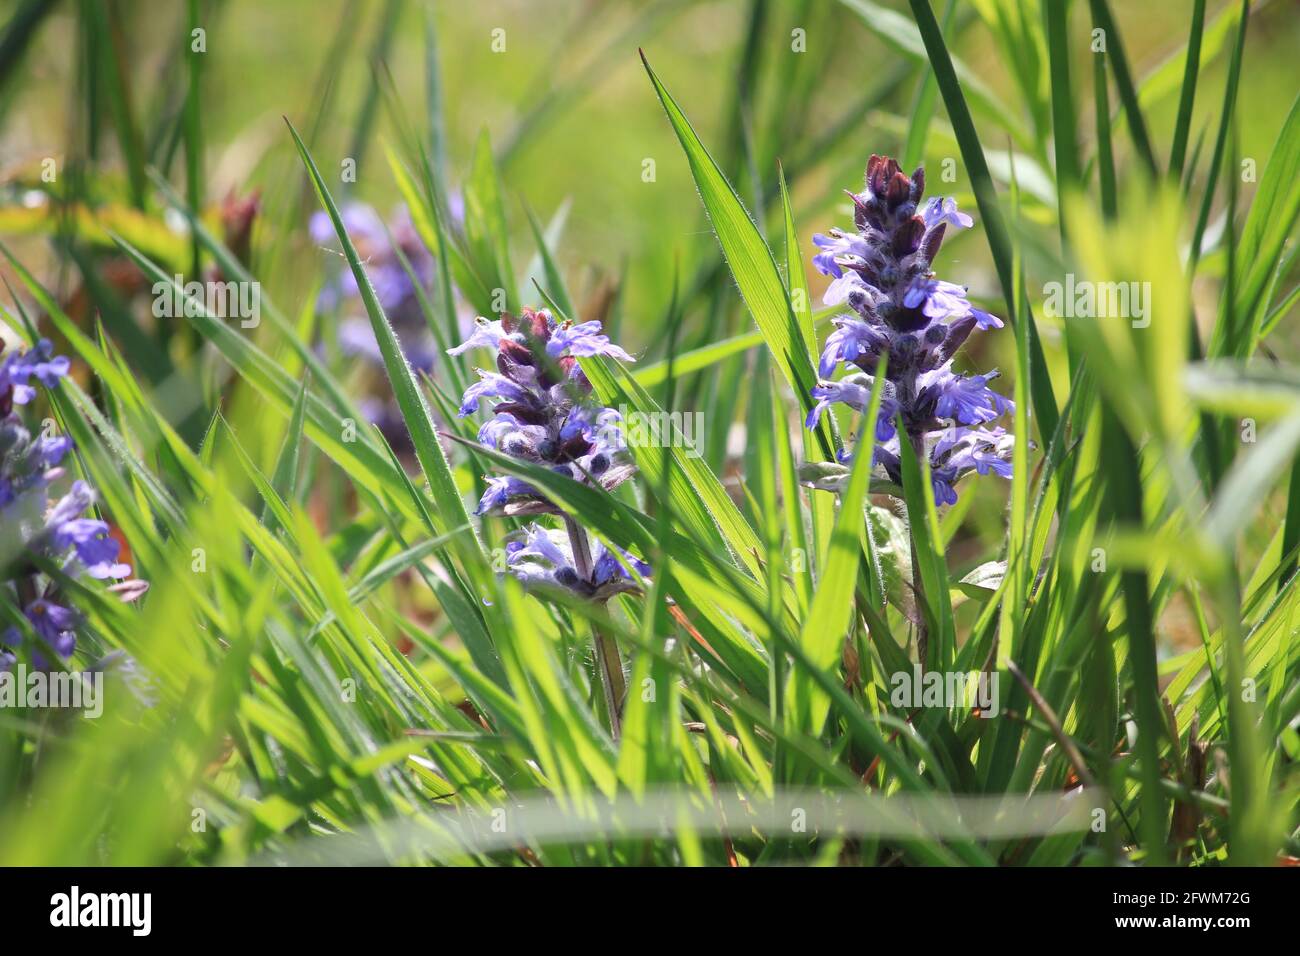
(285, 478)
(1272, 215)
(795, 276)
(1249, 482)
(972, 151)
(1187, 99)
(486, 233)
(698, 497)
(985, 577)
(905, 38)
(554, 278)
(696, 360)
(1243, 389)
(451, 511)
(749, 259)
(823, 632)
(1102, 19)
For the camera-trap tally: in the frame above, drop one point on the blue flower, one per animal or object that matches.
(491, 385)
(94, 547)
(40, 363)
(544, 411)
(584, 340)
(381, 248)
(544, 556)
(937, 299)
(501, 490)
(852, 337)
(838, 291)
(17, 369)
(79, 497)
(945, 210)
(854, 391)
(838, 244)
(48, 451)
(506, 433)
(901, 309)
(58, 533)
(377, 246)
(53, 623)
(965, 398)
(486, 334)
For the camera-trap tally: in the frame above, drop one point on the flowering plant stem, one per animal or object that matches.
(608, 661)
(918, 582)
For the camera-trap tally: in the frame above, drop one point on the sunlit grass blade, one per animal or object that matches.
(1221, 138)
(1045, 407)
(749, 259)
(1063, 118)
(1137, 126)
(903, 37)
(1187, 98)
(831, 614)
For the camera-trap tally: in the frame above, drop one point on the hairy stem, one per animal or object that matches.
(918, 584)
(608, 661)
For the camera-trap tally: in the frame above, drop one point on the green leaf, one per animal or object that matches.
(749, 259)
(1102, 20)
(1272, 216)
(1187, 99)
(828, 620)
(554, 278)
(905, 38)
(486, 233)
(698, 497)
(285, 478)
(972, 151)
(451, 511)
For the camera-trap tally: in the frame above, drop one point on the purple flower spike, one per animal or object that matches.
(58, 533)
(900, 308)
(545, 414)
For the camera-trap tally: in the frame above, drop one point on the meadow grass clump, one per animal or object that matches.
(423, 587)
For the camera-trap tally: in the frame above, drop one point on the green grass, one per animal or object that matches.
(341, 673)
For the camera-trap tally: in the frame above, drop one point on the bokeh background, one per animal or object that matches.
(567, 106)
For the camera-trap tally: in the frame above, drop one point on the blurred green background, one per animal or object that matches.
(568, 109)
